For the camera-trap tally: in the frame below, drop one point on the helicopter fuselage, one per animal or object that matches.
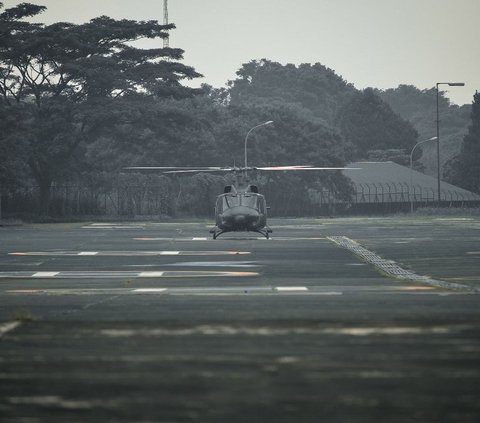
(240, 211)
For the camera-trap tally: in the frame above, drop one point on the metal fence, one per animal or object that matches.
(403, 192)
(159, 200)
(391, 197)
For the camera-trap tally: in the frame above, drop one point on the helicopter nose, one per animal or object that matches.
(240, 219)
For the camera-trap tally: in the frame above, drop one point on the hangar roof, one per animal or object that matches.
(394, 182)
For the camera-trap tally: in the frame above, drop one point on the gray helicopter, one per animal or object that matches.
(240, 208)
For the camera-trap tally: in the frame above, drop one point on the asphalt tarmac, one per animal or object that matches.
(335, 320)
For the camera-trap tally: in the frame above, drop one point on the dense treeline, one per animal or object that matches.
(419, 108)
(465, 167)
(78, 103)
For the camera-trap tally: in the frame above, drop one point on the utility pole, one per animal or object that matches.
(450, 84)
(165, 22)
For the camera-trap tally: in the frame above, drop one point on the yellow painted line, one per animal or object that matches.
(200, 274)
(228, 236)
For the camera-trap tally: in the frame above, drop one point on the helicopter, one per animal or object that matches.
(241, 208)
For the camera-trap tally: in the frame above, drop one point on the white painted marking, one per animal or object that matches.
(150, 274)
(290, 288)
(268, 330)
(24, 291)
(124, 274)
(200, 239)
(116, 224)
(152, 290)
(7, 327)
(454, 219)
(45, 274)
(127, 253)
(391, 268)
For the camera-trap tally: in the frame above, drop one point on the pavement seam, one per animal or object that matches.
(391, 268)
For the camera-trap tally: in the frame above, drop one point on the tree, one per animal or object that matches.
(368, 123)
(466, 167)
(76, 83)
(419, 108)
(314, 87)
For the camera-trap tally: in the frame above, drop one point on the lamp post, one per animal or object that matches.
(450, 84)
(248, 133)
(411, 167)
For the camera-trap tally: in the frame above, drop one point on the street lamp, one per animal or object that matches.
(450, 84)
(248, 133)
(411, 167)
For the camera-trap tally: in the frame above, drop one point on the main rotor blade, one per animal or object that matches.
(200, 170)
(286, 168)
(173, 168)
(189, 169)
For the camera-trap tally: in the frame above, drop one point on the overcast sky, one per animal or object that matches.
(370, 43)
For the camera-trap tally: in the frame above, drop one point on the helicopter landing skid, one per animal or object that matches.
(266, 233)
(216, 233)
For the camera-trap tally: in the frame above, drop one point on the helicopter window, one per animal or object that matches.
(230, 201)
(249, 201)
(261, 205)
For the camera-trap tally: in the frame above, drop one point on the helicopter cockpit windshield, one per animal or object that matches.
(249, 200)
(234, 200)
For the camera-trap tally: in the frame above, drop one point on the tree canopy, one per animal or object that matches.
(466, 166)
(368, 123)
(312, 86)
(71, 84)
(419, 108)
(78, 103)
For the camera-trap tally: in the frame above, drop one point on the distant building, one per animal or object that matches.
(389, 182)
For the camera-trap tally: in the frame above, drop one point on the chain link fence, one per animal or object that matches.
(165, 200)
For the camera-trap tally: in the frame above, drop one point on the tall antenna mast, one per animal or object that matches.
(165, 22)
